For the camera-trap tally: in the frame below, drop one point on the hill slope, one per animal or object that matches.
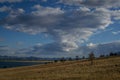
(103, 69)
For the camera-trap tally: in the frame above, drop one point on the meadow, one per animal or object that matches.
(102, 69)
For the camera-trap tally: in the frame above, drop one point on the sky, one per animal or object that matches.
(59, 28)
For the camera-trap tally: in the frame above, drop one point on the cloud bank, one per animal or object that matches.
(66, 27)
(54, 50)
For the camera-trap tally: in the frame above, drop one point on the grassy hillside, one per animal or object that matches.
(103, 69)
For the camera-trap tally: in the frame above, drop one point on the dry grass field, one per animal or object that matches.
(103, 69)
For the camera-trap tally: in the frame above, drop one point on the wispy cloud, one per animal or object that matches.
(19, 43)
(92, 3)
(6, 50)
(5, 9)
(10, 1)
(115, 33)
(1, 39)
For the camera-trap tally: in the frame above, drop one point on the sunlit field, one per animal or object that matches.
(102, 69)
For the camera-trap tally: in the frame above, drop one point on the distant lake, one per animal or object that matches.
(18, 64)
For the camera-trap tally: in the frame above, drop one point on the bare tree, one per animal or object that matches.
(83, 57)
(70, 59)
(77, 58)
(62, 59)
(91, 57)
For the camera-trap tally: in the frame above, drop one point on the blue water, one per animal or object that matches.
(17, 64)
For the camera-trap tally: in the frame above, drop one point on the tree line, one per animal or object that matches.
(91, 57)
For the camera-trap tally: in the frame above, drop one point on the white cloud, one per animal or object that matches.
(115, 33)
(69, 46)
(5, 9)
(115, 14)
(21, 11)
(90, 45)
(43, 11)
(16, 12)
(84, 9)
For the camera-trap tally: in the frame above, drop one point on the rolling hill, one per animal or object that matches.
(103, 69)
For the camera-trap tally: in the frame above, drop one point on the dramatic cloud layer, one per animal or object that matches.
(68, 27)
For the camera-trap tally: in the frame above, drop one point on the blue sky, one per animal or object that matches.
(56, 28)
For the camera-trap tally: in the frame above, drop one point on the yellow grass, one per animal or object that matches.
(103, 69)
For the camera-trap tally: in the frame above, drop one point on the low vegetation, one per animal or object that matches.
(102, 69)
